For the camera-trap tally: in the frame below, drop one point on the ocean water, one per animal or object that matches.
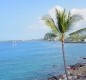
(36, 60)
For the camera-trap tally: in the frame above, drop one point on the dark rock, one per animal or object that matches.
(53, 78)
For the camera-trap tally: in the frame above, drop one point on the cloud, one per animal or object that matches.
(82, 12)
(51, 12)
(82, 23)
(38, 29)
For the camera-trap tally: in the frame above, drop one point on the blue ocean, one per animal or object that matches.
(36, 60)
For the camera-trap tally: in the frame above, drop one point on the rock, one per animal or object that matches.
(53, 78)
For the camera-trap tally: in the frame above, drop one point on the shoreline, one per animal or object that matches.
(74, 42)
(75, 72)
(43, 40)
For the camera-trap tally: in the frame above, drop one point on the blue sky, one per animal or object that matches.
(18, 17)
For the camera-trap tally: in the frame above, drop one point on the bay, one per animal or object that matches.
(36, 60)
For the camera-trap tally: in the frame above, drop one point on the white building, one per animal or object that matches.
(84, 40)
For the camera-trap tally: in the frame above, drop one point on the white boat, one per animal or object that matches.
(14, 43)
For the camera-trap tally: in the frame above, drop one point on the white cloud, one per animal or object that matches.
(52, 10)
(38, 29)
(82, 12)
(82, 23)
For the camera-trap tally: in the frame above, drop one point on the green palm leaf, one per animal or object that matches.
(65, 20)
(50, 23)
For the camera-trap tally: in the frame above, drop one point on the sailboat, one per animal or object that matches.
(14, 43)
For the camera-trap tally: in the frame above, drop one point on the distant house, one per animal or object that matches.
(85, 40)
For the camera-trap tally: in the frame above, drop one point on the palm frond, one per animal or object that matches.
(60, 20)
(50, 23)
(65, 20)
(74, 18)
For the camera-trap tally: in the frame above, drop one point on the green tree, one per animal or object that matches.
(50, 36)
(78, 35)
(60, 25)
(80, 32)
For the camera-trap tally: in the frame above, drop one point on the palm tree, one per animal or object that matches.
(62, 24)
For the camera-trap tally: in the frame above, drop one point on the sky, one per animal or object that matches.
(19, 19)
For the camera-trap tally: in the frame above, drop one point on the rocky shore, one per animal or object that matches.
(75, 72)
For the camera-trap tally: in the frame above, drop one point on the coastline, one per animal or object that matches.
(75, 72)
(41, 40)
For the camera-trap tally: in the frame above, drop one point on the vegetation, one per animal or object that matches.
(79, 32)
(62, 24)
(50, 36)
(77, 36)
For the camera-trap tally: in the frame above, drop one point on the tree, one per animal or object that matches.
(79, 32)
(60, 25)
(50, 36)
(78, 35)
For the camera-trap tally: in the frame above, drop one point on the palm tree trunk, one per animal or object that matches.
(64, 59)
